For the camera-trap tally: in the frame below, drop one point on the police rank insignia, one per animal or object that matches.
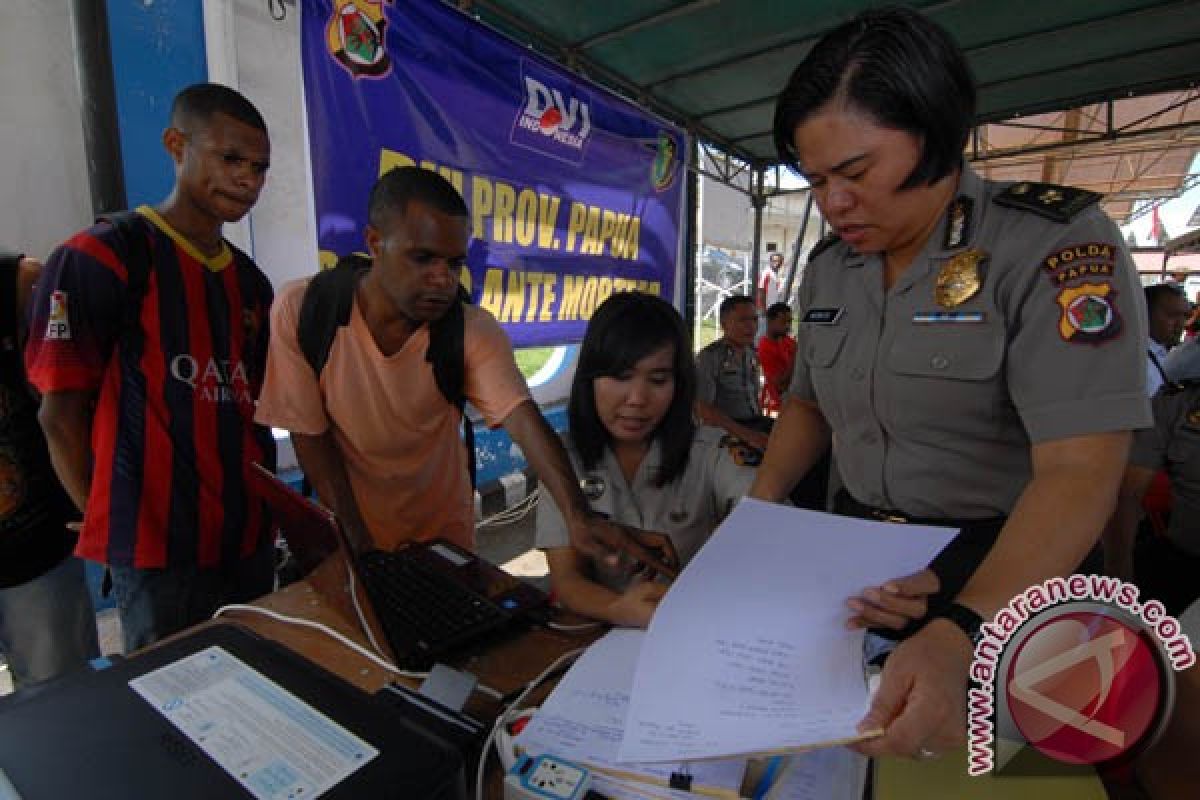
(593, 487)
(1089, 313)
(355, 37)
(958, 223)
(959, 279)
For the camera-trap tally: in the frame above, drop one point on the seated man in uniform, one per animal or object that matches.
(372, 427)
(728, 378)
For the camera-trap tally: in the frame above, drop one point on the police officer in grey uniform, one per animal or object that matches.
(972, 350)
(686, 511)
(729, 378)
(643, 461)
(1164, 567)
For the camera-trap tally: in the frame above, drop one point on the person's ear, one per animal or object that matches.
(374, 241)
(174, 141)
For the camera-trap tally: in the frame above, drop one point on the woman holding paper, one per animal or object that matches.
(972, 350)
(644, 462)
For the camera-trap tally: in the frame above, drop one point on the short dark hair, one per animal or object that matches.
(776, 310)
(626, 328)
(398, 187)
(200, 101)
(732, 302)
(899, 67)
(1157, 291)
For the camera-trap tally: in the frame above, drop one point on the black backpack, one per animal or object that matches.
(326, 306)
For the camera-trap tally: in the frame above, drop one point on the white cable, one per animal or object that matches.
(516, 512)
(500, 720)
(325, 629)
(362, 618)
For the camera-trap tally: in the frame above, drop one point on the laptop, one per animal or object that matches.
(433, 599)
(228, 731)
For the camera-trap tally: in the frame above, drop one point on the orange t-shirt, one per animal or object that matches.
(398, 435)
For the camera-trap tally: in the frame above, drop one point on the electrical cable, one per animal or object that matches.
(325, 629)
(500, 720)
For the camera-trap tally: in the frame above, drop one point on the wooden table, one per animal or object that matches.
(506, 665)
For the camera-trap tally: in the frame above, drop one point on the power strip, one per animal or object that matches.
(546, 778)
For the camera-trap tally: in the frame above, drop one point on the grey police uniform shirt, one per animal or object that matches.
(934, 409)
(729, 378)
(1173, 444)
(687, 510)
(1183, 362)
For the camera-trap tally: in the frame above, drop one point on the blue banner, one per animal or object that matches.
(573, 193)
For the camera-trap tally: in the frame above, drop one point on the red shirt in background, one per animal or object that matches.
(778, 357)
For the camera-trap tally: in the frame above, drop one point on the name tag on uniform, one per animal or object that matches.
(948, 317)
(822, 316)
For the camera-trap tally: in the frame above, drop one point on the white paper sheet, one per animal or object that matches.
(583, 717)
(748, 651)
(274, 744)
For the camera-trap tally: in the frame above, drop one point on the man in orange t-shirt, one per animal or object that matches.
(777, 355)
(373, 432)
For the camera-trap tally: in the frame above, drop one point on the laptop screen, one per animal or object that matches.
(309, 530)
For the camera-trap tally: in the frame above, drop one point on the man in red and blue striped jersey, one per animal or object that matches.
(149, 341)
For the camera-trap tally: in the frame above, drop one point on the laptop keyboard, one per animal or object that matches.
(422, 611)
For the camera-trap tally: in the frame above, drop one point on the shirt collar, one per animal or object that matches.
(963, 216)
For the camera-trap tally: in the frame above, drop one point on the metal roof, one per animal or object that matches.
(715, 66)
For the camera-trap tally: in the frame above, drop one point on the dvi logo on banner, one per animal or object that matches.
(1076, 668)
(555, 119)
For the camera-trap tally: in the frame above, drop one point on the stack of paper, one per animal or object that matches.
(747, 654)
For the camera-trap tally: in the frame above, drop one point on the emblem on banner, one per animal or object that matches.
(666, 161)
(1088, 313)
(355, 37)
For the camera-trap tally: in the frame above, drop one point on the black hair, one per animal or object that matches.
(626, 328)
(900, 68)
(398, 187)
(197, 104)
(1157, 291)
(732, 302)
(776, 310)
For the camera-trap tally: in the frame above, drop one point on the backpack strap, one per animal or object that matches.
(326, 306)
(447, 354)
(328, 301)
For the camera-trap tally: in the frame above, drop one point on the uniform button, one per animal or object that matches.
(939, 362)
(858, 373)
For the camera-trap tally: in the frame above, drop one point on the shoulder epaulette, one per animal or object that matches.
(826, 242)
(1058, 203)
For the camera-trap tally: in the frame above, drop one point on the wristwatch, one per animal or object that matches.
(965, 618)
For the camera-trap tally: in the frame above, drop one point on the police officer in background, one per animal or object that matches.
(728, 377)
(1164, 567)
(973, 351)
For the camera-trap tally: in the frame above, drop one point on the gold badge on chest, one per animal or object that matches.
(959, 279)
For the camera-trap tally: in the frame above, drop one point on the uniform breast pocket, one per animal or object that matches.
(823, 348)
(949, 379)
